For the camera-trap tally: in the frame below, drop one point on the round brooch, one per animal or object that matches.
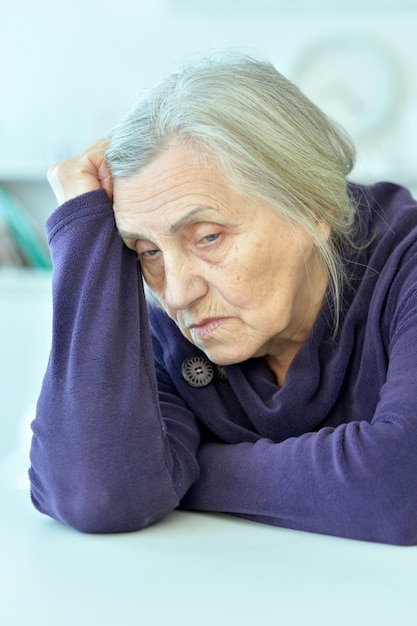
(197, 371)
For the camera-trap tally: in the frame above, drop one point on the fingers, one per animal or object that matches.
(86, 171)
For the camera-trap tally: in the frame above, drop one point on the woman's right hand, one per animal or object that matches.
(84, 172)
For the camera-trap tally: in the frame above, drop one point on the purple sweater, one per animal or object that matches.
(121, 438)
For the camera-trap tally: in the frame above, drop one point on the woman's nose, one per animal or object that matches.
(184, 284)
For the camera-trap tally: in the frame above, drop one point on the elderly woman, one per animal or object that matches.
(271, 371)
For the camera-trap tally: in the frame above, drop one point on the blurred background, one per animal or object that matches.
(70, 69)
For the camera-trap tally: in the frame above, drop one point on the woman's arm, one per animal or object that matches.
(358, 480)
(102, 458)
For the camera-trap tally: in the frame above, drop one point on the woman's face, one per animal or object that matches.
(237, 280)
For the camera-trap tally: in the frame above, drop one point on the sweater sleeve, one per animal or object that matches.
(357, 480)
(103, 459)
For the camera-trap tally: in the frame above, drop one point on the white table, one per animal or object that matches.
(196, 569)
(190, 569)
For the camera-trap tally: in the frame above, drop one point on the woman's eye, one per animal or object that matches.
(148, 254)
(145, 251)
(210, 238)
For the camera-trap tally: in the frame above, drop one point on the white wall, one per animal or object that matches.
(71, 68)
(25, 337)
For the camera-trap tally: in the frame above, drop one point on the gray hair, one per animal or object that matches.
(267, 137)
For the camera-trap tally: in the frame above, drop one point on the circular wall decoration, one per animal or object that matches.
(355, 80)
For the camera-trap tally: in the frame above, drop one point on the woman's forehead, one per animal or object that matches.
(175, 171)
(175, 189)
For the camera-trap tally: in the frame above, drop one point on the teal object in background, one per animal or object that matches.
(32, 249)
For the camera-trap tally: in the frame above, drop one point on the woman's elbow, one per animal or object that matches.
(394, 523)
(399, 532)
(104, 513)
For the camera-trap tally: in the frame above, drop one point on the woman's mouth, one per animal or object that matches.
(204, 329)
